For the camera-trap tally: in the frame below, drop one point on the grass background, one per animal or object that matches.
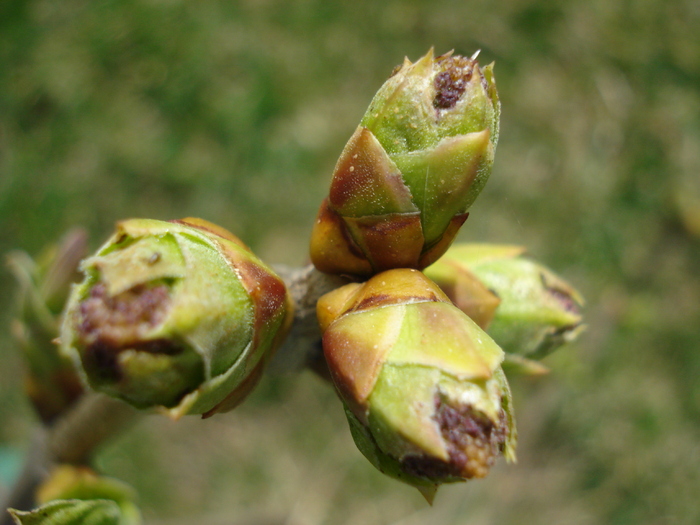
(235, 111)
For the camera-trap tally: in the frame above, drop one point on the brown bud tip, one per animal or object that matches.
(473, 443)
(451, 83)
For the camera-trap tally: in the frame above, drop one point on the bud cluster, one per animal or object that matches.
(421, 380)
(182, 317)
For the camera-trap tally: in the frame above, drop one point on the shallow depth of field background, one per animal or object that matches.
(236, 112)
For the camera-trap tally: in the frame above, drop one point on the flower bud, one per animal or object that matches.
(50, 380)
(177, 314)
(538, 310)
(72, 512)
(421, 155)
(425, 395)
(77, 496)
(465, 290)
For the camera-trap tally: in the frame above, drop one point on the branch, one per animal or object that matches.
(93, 420)
(302, 347)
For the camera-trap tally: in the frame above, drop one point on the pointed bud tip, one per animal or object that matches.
(428, 492)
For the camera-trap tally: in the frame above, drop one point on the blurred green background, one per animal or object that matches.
(236, 112)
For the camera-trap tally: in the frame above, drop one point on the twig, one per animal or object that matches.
(306, 286)
(94, 420)
(34, 470)
(72, 439)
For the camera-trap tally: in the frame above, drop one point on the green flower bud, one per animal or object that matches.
(538, 310)
(403, 183)
(77, 496)
(72, 512)
(50, 379)
(179, 315)
(465, 290)
(426, 398)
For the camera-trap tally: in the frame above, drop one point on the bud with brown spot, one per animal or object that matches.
(424, 392)
(537, 311)
(179, 315)
(421, 155)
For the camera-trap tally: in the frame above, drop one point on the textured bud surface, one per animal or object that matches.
(403, 184)
(426, 398)
(178, 314)
(537, 311)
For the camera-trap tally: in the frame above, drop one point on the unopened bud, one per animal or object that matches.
(403, 183)
(179, 315)
(538, 310)
(426, 398)
(50, 380)
(78, 496)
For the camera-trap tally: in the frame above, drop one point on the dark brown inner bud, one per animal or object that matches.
(113, 324)
(122, 319)
(473, 443)
(451, 82)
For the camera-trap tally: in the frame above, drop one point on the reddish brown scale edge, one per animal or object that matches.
(378, 300)
(364, 172)
(436, 250)
(564, 299)
(392, 241)
(350, 243)
(209, 228)
(332, 248)
(241, 392)
(329, 214)
(267, 292)
(372, 301)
